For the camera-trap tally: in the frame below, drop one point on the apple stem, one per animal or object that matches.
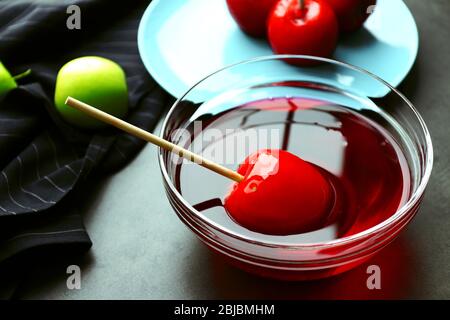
(22, 75)
(301, 4)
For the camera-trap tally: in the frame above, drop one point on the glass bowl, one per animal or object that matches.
(269, 77)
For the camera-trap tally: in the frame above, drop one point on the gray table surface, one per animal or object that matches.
(142, 251)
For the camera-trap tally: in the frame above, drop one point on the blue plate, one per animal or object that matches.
(182, 41)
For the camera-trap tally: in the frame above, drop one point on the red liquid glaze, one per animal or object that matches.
(363, 162)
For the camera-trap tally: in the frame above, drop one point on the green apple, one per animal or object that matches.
(96, 81)
(7, 82)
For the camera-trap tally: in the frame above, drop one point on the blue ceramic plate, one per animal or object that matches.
(182, 41)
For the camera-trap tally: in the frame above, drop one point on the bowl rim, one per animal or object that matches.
(400, 213)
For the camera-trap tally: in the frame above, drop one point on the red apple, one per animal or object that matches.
(308, 27)
(251, 15)
(281, 194)
(351, 14)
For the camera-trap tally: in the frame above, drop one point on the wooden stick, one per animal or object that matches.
(147, 136)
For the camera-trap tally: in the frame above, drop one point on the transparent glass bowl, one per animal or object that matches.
(271, 76)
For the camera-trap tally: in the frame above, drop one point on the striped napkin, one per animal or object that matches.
(44, 162)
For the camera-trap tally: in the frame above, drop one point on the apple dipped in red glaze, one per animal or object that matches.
(351, 14)
(308, 27)
(281, 194)
(251, 15)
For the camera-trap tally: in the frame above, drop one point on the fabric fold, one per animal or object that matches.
(44, 162)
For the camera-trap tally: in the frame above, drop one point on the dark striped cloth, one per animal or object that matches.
(44, 163)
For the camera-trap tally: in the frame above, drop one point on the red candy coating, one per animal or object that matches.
(280, 195)
(312, 30)
(251, 15)
(351, 14)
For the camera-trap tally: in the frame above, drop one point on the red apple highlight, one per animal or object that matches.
(309, 30)
(281, 194)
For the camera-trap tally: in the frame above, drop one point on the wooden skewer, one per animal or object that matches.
(147, 136)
